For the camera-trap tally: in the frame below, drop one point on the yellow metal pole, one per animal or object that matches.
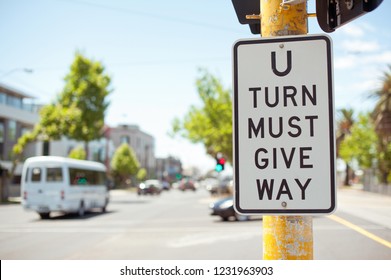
(285, 237)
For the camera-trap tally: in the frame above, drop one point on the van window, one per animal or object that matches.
(54, 174)
(36, 174)
(86, 177)
(77, 176)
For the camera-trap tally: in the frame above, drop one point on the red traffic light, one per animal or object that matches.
(220, 162)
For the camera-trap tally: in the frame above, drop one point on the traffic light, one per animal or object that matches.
(332, 14)
(248, 7)
(220, 162)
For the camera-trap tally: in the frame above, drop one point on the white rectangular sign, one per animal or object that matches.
(284, 143)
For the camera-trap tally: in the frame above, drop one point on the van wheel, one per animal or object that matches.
(82, 210)
(44, 216)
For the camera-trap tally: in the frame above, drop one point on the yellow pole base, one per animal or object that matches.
(287, 238)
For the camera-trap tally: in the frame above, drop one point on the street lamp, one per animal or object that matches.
(26, 70)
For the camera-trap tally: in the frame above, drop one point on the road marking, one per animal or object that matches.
(211, 238)
(360, 230)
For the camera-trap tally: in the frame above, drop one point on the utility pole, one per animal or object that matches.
(285, 237)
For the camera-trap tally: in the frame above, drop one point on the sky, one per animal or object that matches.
(153, 51)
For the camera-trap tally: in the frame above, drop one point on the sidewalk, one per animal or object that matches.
(367, 205)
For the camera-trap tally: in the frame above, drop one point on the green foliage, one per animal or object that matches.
(345, 121)
(382, 111)
(84, 97)
(384, 160)
(22, 142)
(382, 119)
(58, 120)
(124, 163)
(360, 144)
(78, 112)
(141, 174)
(210, 124)
(78, 153)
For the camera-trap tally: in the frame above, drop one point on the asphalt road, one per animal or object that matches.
(177, 225)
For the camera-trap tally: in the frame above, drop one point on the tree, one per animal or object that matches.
(210, 124)
(124, 164)
(85, 91)
(77, 153)
(54, 120)
(382, 118)
(141, 174)
(344, 124)
(360, 144)
(78, 112)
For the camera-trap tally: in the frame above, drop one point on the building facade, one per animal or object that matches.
(18, 114)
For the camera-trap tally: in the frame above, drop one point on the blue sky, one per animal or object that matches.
(153, 50)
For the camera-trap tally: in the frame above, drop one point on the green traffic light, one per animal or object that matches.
(219, 168)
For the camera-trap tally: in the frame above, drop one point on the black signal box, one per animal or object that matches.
(332, 14)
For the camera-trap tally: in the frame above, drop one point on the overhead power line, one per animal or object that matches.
(150, 15)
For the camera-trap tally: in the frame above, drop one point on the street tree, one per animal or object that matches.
(345, 121)
(141, 174)
(54, 120)
(86, 88)
(124, 164)
(77, 153)
(211, 123)
(382, 118)
(78, 111)
(360, 145)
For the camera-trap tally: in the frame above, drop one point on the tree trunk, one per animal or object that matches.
(86, 149)
(347, 176)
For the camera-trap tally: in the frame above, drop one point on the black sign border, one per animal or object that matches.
(331, 125)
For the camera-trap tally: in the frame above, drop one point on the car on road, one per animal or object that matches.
(166, 186)
(225, 209)
(150, 187)
(218, 186)
(186, 184)
(211, 185)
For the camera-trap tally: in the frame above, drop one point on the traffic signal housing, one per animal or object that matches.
(248, 7)
(220, 162)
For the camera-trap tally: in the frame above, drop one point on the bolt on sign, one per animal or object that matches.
(284, 143)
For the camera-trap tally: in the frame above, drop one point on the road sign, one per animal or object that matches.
(332, 14)
(284, 143)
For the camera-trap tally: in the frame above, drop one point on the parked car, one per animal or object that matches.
(225, 209)
(187, 184)
(166, 186)
(218, 186)
(150, 187)
(226, 186)
(211, 185)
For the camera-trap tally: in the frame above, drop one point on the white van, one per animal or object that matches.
(58, 184)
